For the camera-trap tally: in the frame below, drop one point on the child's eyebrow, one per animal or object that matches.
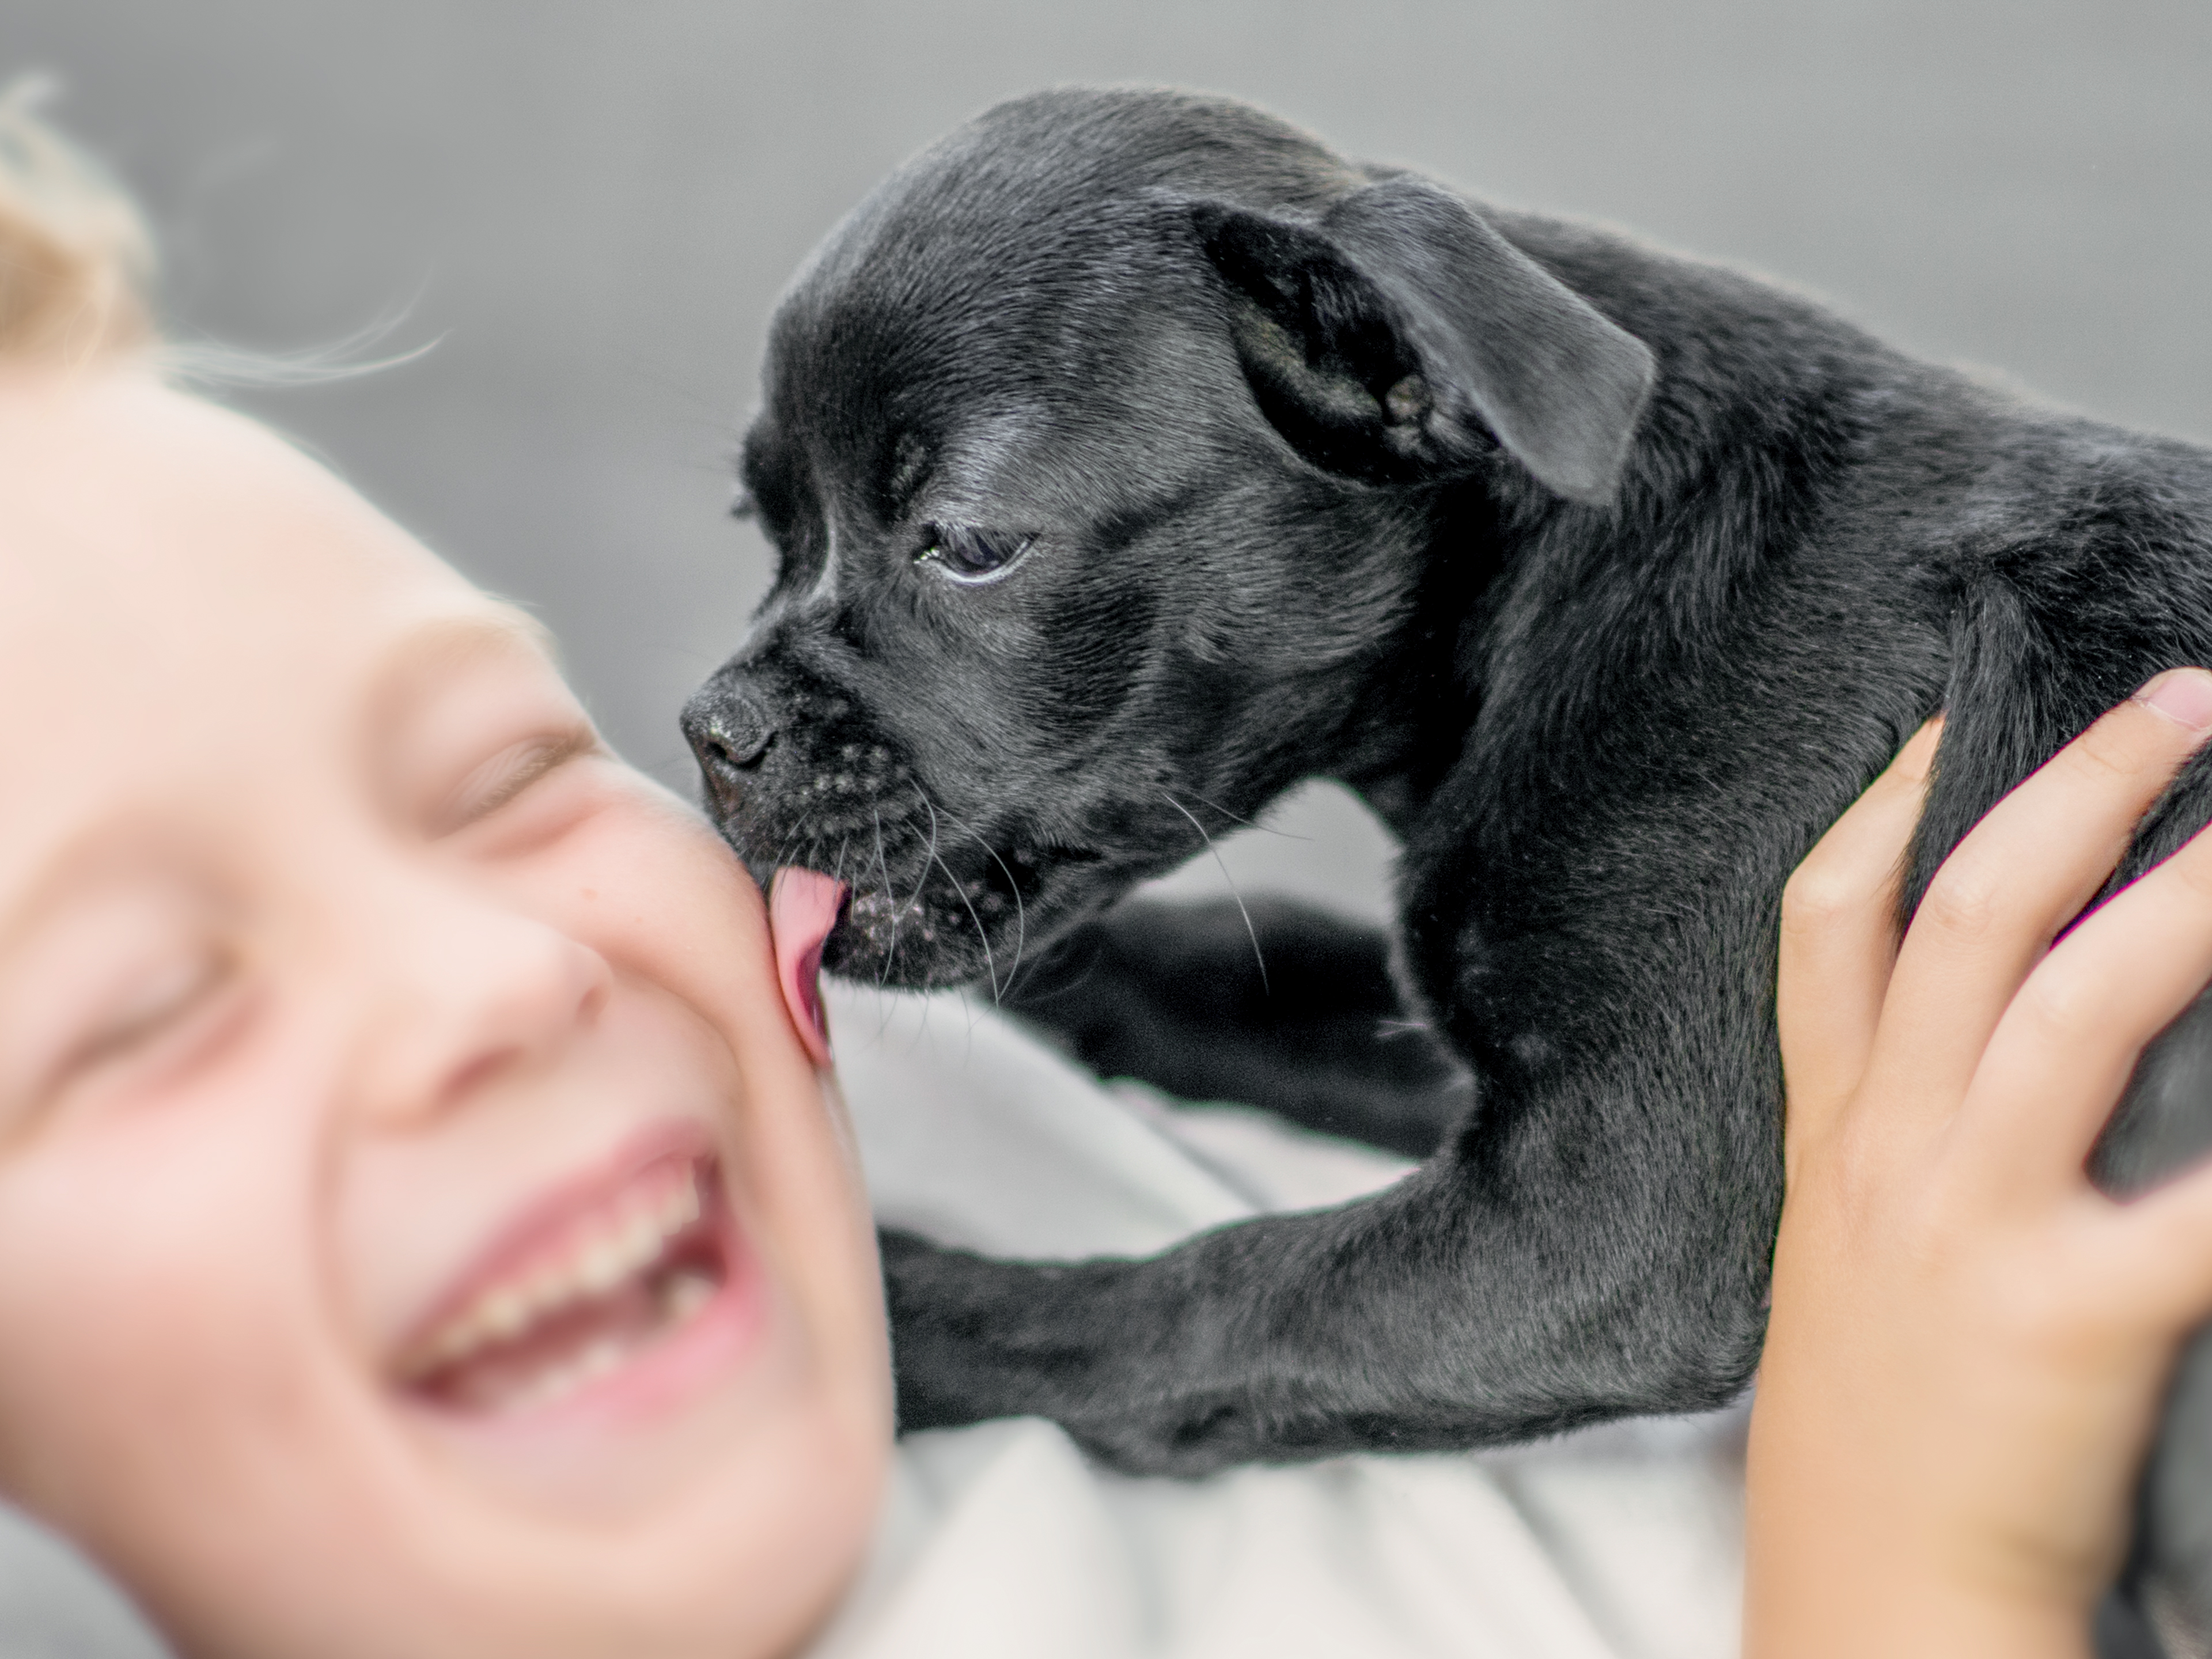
(497, 629)
(422, 659)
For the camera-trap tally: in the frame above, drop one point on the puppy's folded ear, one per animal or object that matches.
(1385, 341)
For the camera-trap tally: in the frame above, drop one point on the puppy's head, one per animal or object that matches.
(1103, 449)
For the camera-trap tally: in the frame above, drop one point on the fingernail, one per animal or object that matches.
(2184, 696)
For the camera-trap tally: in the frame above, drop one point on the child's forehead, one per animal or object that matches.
(123, 502)
(147, 535)
(180, 590)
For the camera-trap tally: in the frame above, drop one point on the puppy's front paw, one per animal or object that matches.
(973, 1338)
(940, 1330)
(1077, 1342)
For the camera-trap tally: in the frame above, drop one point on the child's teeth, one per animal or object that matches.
(606, 1355)
(504, 1313)
(686, 1294)
(682, 1207)
(602, 1265)
(640, 1240)
(630, 1239)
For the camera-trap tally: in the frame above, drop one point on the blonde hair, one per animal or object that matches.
(75, 261)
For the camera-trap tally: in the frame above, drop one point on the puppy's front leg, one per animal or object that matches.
(1275, 1004)
(1443, 1312)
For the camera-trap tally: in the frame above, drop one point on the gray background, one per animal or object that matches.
(592, 206)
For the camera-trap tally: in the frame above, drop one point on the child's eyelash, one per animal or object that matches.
(149, 1012)
(510, 772)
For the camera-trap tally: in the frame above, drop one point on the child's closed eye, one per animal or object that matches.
(146, 1009)
(508, 775)
(127, 984)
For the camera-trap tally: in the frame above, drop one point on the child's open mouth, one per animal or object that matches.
(580, 1300)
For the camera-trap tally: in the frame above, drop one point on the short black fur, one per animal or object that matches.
(1606, 577)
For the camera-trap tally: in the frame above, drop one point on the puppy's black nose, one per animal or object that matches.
(728, 730)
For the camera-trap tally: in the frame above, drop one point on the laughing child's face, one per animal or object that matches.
(421, 1231)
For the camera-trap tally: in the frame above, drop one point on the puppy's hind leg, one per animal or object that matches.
(1275, 1004)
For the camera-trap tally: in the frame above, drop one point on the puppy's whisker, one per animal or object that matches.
(890, 946)
(1021, 914)
(982, 937)
(793, 837)
(1222, 864)
(1248, 823)
(929, 853)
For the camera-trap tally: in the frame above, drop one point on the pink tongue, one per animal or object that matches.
(802, 908)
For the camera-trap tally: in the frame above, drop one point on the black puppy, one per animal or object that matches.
(1130, 457)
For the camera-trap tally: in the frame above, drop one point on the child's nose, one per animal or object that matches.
(465, 990)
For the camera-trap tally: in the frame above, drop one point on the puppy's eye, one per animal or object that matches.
(969, 555)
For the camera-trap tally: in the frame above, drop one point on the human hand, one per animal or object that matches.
(1969, 1342)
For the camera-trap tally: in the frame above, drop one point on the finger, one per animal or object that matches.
(1839, 937)
(2063, 1050)
(2020, 874)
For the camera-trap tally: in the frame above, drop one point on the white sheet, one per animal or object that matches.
(1001, 1541)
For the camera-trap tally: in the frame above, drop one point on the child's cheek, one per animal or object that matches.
(655, 889)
